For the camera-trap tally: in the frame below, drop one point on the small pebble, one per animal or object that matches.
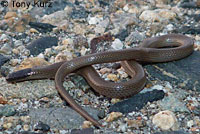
(134, 123)
(101, 114)
(41, 126)
(64, 56)
(67, 41)
(18, 127)
(26, 127)
(25, 119)
(157, 15)
(7, 111)
(10, 15)
(117, 44)
(63, 132)
(123, 128)
(105, 70)
(15, 51)
(14, 62)
(3, 100)
(165, 120)
(190, 123)
(114, 100)
(32, 62)
(158, 87)
(86, 124)
(170, 27)
(33, 30)
(113, 116)
(41, 56)
(86, 101)
(94, 20)
(112, 77)
(7, 125)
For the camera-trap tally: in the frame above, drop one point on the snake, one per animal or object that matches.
(165, 48)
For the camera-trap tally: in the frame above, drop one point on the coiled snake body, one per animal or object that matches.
(157, 49)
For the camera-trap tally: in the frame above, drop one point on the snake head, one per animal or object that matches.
(19, 76)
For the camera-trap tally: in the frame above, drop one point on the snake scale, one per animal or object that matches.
(165, 48)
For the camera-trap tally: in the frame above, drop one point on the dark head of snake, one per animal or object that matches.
(19, 76)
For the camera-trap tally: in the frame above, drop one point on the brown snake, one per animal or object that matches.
(157, 49)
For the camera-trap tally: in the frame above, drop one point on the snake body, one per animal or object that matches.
(157, 49)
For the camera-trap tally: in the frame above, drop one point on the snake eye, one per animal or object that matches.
(18, 75)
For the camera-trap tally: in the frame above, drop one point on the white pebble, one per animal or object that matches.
(63, 131)
(123, 127)
(190, 123)
(94, 20)
(170, 27)
(41, 55)
(3, 36)
(158, 87)
(117, 44)
(165, 120)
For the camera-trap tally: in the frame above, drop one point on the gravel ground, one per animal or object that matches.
(45, 32)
